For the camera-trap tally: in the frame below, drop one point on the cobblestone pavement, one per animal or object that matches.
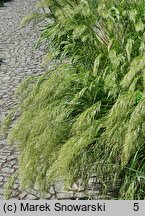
(18, 60)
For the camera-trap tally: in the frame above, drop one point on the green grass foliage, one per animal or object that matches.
(1, 3)
(87, 114)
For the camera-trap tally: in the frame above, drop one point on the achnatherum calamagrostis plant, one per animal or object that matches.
(92, 109)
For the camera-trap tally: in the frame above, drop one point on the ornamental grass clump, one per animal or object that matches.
(87, 114)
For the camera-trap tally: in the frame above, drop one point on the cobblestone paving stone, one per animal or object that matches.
(18, 60)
